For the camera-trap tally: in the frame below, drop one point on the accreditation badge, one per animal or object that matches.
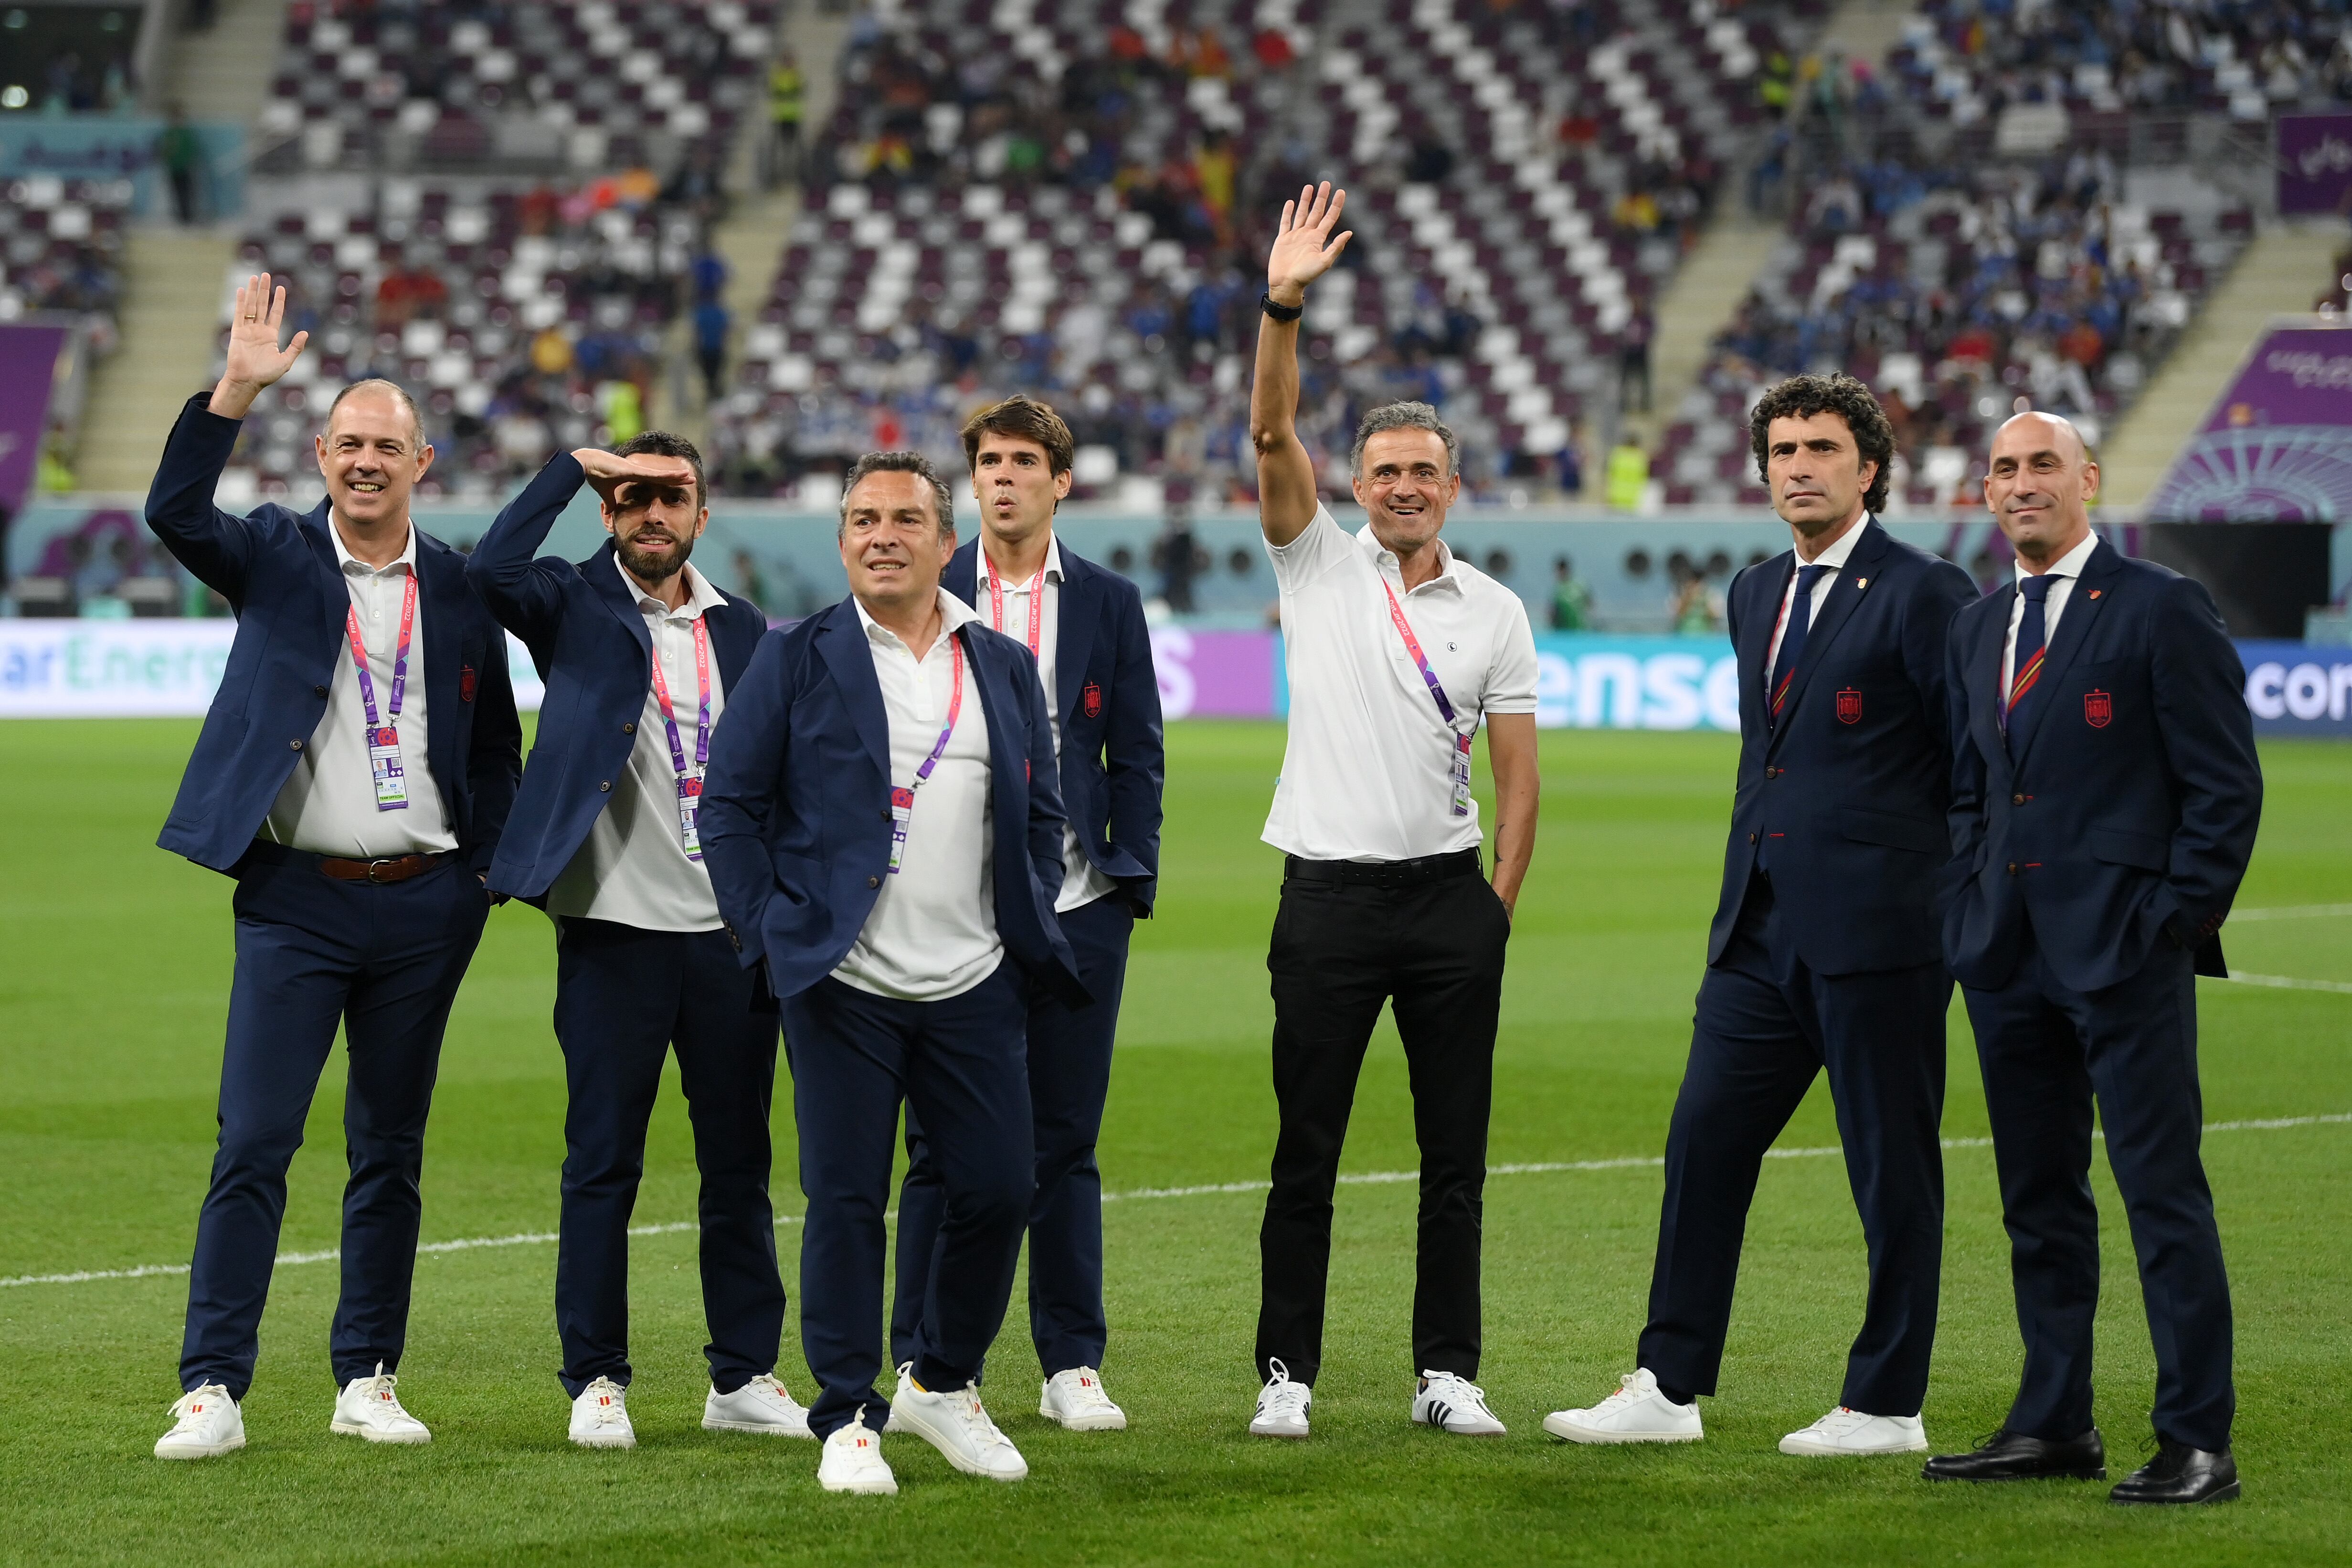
(384, 762)
(689, 814)
(902, 812)
(1461, 771)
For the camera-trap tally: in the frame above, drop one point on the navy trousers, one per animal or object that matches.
(384, 961)
(1069, 1079)
(1766, 1026)
(958, 1065)
(2047, 1052)
(623, 996)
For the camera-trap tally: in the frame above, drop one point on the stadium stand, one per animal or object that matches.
(60, 245)
(1075, 200)
(458, 206)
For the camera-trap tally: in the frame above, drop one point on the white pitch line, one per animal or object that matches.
(1355, 1179)
(2288, 982)
(2294, 913)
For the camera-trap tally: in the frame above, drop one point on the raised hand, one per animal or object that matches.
(255, 359)
(607, 472)
(1305, 247)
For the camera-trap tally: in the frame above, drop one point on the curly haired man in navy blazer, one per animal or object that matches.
(2105, 798)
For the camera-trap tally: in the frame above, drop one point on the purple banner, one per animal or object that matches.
(2314, 158)
(28, 368)
(1214, 675)
(2277, 445)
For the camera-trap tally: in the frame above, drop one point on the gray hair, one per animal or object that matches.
(377, 383)
(942, 501)
(1404, 417)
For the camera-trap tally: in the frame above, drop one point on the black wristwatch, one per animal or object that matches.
(1279, 312)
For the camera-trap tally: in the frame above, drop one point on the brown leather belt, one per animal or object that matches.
(394, 868)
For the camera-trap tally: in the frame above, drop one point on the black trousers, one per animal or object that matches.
(384, 961)
(957, 1064)
(623, 996)
(1766, 1026)
(1433, 950)
(1069, 1079)
(2048, 1051)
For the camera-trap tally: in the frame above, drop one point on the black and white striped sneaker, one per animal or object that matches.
(1454, 1404)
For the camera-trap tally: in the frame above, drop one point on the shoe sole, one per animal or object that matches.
(2098, 1475)
(859, 1488)
(1456, 1431)
(1569, 1434)
(1084, 1423)
(213, 1452)
(1257, 1431)
(914, 1427)
(398, 1440)
(603, 1442)
(1825, 1451)
(764, 1427)
(2227, 1494)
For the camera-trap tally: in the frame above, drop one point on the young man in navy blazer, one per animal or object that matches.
(352, 774)
(886, 842)
(1084, 627)
(1824, 952)
(2105, 795)
(640, 653)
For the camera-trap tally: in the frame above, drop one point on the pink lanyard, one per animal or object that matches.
(955, 706)
(1037, 608)
(399, 659)
(702, 688)
(1413, 646)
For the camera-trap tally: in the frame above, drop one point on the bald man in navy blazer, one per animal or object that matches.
(2105, 800)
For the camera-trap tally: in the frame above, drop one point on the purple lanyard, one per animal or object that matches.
(400, 655)
(702, 688)
(1413, 646)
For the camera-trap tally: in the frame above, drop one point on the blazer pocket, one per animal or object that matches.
(2118, 846)
(1885, 828)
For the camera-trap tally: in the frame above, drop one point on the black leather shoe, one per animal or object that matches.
(2014, 1457)
(2179, 1473)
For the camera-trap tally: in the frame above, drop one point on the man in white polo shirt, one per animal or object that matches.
(1396, 649)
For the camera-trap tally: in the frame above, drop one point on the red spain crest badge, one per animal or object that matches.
(1849, 706)
(465, 683)
(2098, 709)
(1092, 698)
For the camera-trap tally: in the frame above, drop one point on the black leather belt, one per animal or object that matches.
(1384, 873)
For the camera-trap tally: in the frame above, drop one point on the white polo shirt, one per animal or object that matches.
(328, 804)
(1081, 882)
(2061, 574)
(1366, 774)
(932, 931)
(633, 866)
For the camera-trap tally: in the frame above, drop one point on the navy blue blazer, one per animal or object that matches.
(589, 640)
(1113, 757)
(278, 571)
(2121, 809)
(1848, 796)
(797, 808)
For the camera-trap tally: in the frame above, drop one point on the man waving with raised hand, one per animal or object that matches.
(1397, 648)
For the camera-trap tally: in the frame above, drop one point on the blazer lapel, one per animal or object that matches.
(2083, 603)
(852, 663)
(440, 581)
(1074, 634)
(334, 593)
(603, 570)
(1755, 646)
(1846, 591)
(962, 577)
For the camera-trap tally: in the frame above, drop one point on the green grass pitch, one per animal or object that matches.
(111, 1010)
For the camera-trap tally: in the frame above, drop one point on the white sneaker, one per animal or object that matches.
(1454, 1404)
(209, 1426)
(1636, 1413)
(953, 1423)
(853, 1462)
(369, 1408)
(760, 1406)
(1076, 1400)
(1282, 1405)
(600, 1417)
(1844, 1431)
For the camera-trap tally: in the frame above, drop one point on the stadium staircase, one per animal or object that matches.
(171, 278)
(2279, 271)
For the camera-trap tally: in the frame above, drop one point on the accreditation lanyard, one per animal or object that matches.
(383, 729)
(1036, 607)
(902, 801)
(1460, 764)
(690, 780)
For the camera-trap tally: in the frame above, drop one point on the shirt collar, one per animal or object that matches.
(346, 560)
(699, 595)
(1053, 563)
(1837, 554)
(2070, 565)
(953, 614)
(1370, 543)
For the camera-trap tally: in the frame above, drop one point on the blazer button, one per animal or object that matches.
(1771, 773)
(2012, 868)
(606, 786)
(629, 729)
(873, 881)
(293, 745)
(2017, 800)
(1752, 838)
(317, 692)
